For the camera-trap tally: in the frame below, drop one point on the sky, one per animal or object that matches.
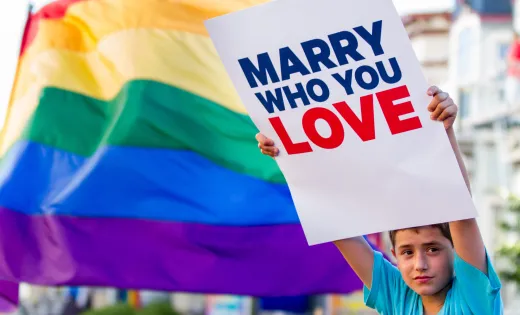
(12, 20)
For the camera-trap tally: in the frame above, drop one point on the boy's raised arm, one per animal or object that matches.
(466, 233)
(466, 236)
(360, 256)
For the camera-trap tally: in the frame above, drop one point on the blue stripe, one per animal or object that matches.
(123, 182)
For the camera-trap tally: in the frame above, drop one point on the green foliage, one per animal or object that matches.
(162, 308)
(511, 253)
(117, 309)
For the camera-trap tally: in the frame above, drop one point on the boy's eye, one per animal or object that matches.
(433, 249)
(407, 253)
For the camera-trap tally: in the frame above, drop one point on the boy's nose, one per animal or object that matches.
(421, 262)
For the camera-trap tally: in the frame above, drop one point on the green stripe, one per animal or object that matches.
(150, 114)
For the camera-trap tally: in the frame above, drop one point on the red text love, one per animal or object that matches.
(363, 126)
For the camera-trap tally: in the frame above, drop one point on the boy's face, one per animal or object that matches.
(425, 259)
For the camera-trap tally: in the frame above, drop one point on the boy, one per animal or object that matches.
(441, 269)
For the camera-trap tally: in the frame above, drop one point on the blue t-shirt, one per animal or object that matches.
(472, 292)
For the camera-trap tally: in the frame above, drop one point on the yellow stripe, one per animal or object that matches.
(16, 120)
(184, 60)
(87, 22)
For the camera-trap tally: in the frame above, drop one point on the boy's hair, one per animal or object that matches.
(443, 227)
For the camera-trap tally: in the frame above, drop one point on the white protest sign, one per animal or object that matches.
(337, 86)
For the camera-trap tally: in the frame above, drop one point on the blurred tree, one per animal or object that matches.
(117, 309)
(511, 252)
(162, 308)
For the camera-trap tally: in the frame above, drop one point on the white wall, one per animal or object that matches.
(474, 64)
(516, 16)
(431, 47)
(464, 49)
(477, 70)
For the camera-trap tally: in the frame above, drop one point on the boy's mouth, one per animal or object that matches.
(422, 279)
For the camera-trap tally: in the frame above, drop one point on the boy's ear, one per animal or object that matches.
(393, 253)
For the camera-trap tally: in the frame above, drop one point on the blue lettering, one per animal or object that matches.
(325, 93)
(374, 82)
(343, 51)
(395, 69)
(293, 96)
(290, 63)
(346, 82)
(374, 39)
(271, 100)
(315, 58)
(265, 69)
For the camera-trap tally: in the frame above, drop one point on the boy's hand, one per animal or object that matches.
(442, 107)
(266, 145)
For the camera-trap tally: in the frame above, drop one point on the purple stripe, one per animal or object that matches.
(8, 296)
(135, 253)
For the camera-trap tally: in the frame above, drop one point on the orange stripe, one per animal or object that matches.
(90, 20)
(134, 299)
(54, 10)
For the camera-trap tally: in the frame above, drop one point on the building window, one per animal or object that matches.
(503, 49)
(464, 104)
(464, 54)
(501, 66)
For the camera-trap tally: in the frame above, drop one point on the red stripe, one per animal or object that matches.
(53, 10)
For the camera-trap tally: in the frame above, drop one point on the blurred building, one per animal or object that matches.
(429, 34)
(480, 38)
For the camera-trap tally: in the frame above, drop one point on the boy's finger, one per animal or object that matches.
(433, 90)
(260, 138)
(441, 97)
(269, 149)
(265, 146)
(440, 108)
(263, 139)
(268, 152)
(274, 150)
(450, 111)
(438, 99)
(433, 104)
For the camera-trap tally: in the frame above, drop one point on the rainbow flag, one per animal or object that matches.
(8, 296)
(128, 160)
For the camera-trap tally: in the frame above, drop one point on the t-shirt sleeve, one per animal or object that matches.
(386, 284)
(480, 291)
